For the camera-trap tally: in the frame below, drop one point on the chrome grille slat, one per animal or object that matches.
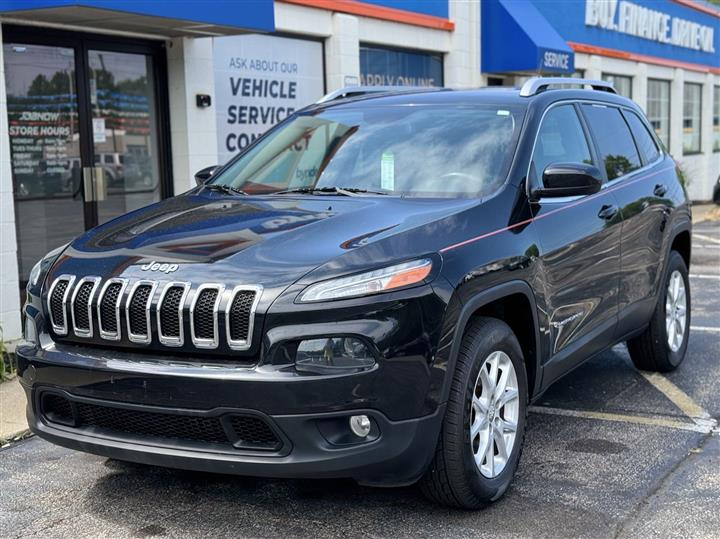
(57, 300)
(169, 312)
(137, 314)
(204, 317)
(81, 306)
(239, 332)
(108, 308)
(118, 305)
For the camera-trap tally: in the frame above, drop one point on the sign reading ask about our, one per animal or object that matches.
(260, 81)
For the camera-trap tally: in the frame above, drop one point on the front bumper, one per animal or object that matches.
(309, 415)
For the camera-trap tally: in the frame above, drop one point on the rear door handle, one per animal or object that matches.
(608, 211)
(660, 190)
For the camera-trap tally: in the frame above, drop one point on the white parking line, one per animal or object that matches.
(703, 276)
(706, 238)
(706, 329)
(652, 421)
(703, 246)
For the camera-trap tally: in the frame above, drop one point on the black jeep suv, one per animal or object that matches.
(375, 289)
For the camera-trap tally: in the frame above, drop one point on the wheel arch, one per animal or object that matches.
(681, 242)
(513, 303)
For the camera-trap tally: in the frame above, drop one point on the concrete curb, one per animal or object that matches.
(13, 423)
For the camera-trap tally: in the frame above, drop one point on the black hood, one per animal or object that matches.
(270, 240)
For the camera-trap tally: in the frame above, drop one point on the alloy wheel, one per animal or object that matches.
(675, 311)
(494, 414)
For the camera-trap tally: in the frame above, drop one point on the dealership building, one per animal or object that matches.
(108, 105)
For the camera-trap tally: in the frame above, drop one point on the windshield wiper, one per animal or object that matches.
(227, 189)
(332, 190)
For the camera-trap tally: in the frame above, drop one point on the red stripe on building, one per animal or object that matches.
(708, 10)
(377, 12)
(614, 53)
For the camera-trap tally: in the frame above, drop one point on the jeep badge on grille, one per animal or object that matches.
(156, 266)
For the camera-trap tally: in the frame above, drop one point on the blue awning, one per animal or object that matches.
(157, 17)
(517, 38)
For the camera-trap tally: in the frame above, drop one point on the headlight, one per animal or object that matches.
(35, 273)
(43, 264)
(371, 282)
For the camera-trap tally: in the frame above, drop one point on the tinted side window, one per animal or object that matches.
(643, 139)
(561, 139)
(615, 143)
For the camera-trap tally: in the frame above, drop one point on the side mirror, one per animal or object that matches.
(567, 180)
(202, 176)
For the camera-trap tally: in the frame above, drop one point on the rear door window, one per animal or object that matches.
(614, 142)
(644, 140)
(561, 139)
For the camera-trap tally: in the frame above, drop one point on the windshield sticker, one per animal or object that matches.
(387, 171)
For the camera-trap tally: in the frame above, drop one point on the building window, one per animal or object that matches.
(658, 108)
(692, 105)
(716, 119)
(381, 66)
(622, 84)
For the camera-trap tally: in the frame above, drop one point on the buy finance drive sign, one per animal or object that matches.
(260, 81)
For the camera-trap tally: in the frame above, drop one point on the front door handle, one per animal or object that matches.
(608, 211)
(660, 190)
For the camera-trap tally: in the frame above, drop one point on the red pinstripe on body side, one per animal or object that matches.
(621, 185)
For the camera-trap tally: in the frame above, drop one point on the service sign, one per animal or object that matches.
(260, 81)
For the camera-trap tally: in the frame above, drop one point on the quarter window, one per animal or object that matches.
(658, 108)
(643, 138)
(561, 139)
(692, 104)
(615, 143)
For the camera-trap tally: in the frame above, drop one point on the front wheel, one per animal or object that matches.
(662, 346)
(484, 426)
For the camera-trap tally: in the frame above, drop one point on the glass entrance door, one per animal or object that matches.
(85, 140)
(125, 133)
(44, 129)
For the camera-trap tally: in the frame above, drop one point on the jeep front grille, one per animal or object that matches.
(204, 316)
(57, 303)
(137, 311)
(81, 306)
(170, 314)
(149, 312)
(109, 309)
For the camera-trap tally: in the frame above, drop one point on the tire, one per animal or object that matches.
(651, 350)
(453, 478)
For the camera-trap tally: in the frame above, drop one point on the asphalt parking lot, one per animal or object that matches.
(610, 452)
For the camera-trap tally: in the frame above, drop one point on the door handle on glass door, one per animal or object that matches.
(88, 184)
(100, 187)
(608, 211)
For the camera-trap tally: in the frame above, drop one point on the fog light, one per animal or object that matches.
(360, 425)
(334, 355)
(30, 330)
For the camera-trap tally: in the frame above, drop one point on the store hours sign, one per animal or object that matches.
(260, 81)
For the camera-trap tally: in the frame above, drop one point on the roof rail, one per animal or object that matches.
(535, 85)
(354, 91)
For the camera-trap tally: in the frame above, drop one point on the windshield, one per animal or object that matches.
(404, 150)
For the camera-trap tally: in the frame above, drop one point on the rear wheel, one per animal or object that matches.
(484, 426)
(662, 346)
